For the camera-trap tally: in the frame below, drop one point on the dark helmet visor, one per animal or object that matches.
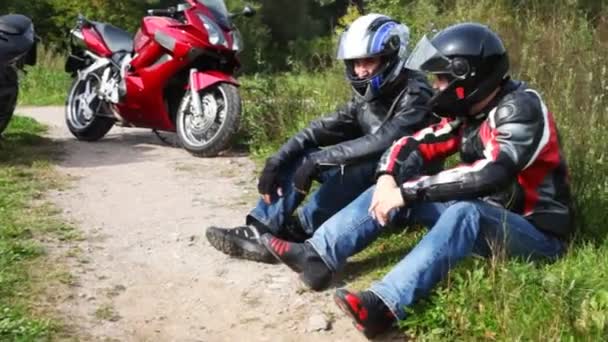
(426, 58)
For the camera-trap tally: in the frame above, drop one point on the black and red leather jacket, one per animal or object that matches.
(511, 157)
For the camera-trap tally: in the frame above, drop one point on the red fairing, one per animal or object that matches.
(149, 25)
(95, 43)
(140, 40)
(208, 78)
(147, 54)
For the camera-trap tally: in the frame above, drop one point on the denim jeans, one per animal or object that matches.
(457, 229)
(339, 186)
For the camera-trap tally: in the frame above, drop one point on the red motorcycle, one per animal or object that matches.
(175, 75)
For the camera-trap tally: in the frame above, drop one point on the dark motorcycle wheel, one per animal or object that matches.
(9, 91)
(208, 134)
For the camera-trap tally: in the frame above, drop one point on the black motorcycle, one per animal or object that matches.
(17, 48)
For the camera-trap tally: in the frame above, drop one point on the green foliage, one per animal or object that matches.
(275, 107)
(54, 18)
(45, 83)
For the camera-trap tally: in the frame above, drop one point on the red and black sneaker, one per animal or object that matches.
(369, 313)
(301, 258)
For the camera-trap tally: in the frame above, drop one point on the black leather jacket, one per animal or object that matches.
(511, 158)
(361, 130)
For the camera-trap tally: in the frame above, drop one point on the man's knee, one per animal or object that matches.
(464, 207)
(463, 215)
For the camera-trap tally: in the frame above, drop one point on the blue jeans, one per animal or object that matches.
(339, 186)
(457, 229)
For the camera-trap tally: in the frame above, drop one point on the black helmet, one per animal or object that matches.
(473, 59)
(369, 36)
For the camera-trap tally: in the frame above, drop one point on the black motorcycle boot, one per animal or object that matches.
(301, 258)
(369, 313)
(241, 242)
(293, 231)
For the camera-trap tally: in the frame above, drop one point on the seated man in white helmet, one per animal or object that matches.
(341, 149)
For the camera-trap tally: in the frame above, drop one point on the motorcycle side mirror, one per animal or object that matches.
(81, 20)
(182, 7)
(248, 11)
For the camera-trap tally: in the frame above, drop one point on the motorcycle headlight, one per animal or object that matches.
(215, 33)
(237, 41)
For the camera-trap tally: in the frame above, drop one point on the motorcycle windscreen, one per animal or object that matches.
(220, 12)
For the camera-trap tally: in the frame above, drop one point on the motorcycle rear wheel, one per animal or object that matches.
(208, 134)
(81, 110)
(9, 91)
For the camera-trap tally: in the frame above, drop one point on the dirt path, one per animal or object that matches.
(146, 271)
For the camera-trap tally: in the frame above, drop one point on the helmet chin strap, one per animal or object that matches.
(451, 101)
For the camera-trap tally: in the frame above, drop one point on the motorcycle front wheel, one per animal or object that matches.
(209, 133)
(9, 91)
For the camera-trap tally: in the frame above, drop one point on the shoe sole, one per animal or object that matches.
(243, 249)
(340, 300)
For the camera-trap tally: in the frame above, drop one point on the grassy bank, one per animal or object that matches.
(25, 218)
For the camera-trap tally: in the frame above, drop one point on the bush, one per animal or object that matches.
(277, 106)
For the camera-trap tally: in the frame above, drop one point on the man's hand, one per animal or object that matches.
(269, 180)
(387, 196)
(302, 180)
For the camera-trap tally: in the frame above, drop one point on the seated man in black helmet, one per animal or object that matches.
(341, 149)
(510, 194)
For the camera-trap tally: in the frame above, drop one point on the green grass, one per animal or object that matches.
(278, 105)
(45, 83)
(25, 175)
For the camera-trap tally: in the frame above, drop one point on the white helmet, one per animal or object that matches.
(369, 36)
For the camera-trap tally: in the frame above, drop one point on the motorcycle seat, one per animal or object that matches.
(14, 24)
(115, 38)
